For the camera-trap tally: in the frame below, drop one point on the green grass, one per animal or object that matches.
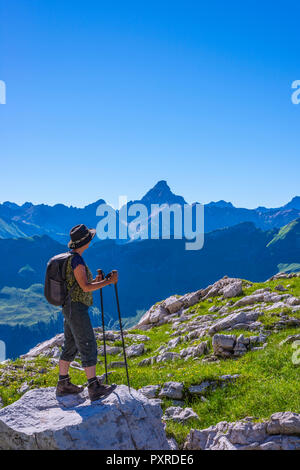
(25, 306)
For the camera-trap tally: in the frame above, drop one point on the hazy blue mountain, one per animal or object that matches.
(56, 221)
(26, 318)
(23, 260)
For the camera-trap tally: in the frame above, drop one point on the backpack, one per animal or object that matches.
(55, 289)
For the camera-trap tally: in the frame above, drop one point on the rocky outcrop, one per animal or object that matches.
(163, 312)
(121, 421)
(194, 351)
(261, 295)
(150, 391)
(179, 414)
(229, 285)
(43, 348)
(234, 289)
(234, 319)
(281, 432)
(231, 345)
(172, 390)
(210, 385)
(135, 350)
(283, 276)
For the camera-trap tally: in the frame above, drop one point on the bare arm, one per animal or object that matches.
(80, 276)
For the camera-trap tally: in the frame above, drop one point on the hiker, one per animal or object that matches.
(79, 334)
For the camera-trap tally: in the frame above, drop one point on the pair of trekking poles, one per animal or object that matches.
(101, 273)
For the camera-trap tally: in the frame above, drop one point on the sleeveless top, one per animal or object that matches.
(77, 294)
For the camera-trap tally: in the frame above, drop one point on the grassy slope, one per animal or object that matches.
(268, 382)
(25, 306)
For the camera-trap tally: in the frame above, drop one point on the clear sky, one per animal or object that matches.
(107, 98)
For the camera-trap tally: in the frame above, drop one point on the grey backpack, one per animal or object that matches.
(55, 289)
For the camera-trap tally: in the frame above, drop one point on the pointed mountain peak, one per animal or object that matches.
(162, 194)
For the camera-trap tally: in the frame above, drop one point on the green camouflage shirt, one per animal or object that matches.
(77, 294)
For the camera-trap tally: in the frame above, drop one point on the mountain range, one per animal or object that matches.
(56, 221)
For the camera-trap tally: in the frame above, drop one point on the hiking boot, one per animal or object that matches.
(98, 390)
(65, 387)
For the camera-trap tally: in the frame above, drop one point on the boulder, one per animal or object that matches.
(173, 304)
(280, 288)
(287, 423)
(135, 350)
(173, 390)
(116, 364)
(157, 314)
(223, 345)
(233, 290)
(191, 299)
(281, 432)
(167, 356)
(194, 351)
(150, 391)
(174, 342)
(218, 287)
(293, 301)
(231, 320)
(121, 421)
(113, 350)
(201, 388)
(24, 388)
(179, 415)
(137, 337)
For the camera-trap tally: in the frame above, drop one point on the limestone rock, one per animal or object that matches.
(281, 432)
(167, 356)
(179, 415)
(173, 304)
(231, 320)
(57, 340)
(135, 350)
(233, 290)
(194, 351)
(201, 388)
(172, 390)
(113, 350)
(121, 421)
(150, 391)
(24, 388)
(174, 342)
(284, 423)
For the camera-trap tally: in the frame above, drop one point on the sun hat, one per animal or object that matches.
(80, 235)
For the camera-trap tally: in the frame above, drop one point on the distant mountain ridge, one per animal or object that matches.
(242, 250)
(56, 221)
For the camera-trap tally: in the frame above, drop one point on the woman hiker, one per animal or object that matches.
(79, 334)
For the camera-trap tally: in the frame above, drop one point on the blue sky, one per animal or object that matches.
(107, 98)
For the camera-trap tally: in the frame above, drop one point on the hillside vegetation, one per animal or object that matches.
(256, 377)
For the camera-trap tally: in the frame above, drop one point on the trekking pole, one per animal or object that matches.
(122, 336)
(100, 272)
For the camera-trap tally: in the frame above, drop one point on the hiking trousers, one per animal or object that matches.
(79, 335)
